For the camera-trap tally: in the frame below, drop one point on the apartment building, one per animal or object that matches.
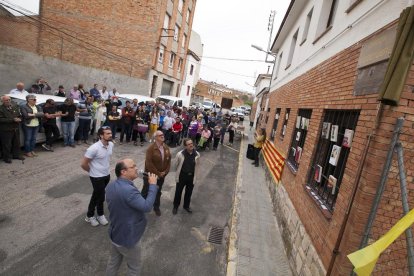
(331, 61)
(136, 46)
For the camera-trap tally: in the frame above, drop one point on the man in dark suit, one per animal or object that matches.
(10, 118)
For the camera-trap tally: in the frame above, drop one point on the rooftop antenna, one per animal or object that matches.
(270, 29)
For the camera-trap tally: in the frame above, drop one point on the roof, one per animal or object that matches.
(260, 77)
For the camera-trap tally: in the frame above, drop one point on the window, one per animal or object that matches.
(166, 22)
(191, 69)
(180, 64)
(187, 18)
(188, 90)
(172, 59)
(307, 24)
(326, 18)
(330, 158)
(292, 48)
(176, 32)
(352, 5)
(180, 5)
(278, 65)
(298, 138)
(285, 122)
(161, 54)
(183, 41)
(275, 122)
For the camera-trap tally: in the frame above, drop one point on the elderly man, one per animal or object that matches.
(19, 90)
(31, 114)
(158, 161)
(127, 208)
(10, 119)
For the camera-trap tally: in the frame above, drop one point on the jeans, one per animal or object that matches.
(52, 133)
(30, 134)
(84, 128)
(68, 129)
(131, 255)
(126, 129)
(256, 155)
(98, 195)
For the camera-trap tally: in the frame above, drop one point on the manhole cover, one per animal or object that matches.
(216, 235)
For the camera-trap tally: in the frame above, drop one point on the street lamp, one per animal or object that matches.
(267, 53)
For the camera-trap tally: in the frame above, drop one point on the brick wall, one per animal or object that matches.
(330, 86)
(19, 33)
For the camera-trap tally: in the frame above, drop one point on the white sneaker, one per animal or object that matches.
(102, 220)
(92, 221)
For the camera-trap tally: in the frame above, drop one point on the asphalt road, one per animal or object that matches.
(43, 204)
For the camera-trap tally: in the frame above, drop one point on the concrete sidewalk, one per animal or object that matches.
(256, 245)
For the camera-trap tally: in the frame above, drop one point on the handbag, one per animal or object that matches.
(250, 152)
(142, 127)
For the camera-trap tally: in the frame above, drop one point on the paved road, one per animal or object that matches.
(44, 200)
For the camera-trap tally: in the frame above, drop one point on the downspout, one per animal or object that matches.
(370, 136)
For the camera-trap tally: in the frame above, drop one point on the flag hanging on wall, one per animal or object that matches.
(274, 160)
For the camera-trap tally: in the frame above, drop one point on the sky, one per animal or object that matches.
(227, 29)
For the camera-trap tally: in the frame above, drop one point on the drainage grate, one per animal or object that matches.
(216, 235)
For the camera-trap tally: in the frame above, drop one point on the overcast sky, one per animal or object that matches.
(227, 29)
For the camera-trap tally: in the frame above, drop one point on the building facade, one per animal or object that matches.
(138, 46)
(220, 94)
(323, 115)
(192, 68)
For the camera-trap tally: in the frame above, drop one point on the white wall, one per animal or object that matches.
(306, 56)
(263, 83)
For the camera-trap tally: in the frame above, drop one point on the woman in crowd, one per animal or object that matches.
(154, 122)
(140, 126)
(259, 137)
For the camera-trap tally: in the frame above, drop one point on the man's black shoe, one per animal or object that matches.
(157, 212)
(19, 158)
(174, 211)
(188, 210)
(8, 161)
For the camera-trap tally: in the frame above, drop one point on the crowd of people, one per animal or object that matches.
(137, 121)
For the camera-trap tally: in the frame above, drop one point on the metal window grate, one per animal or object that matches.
(299, 137)
(323, 190)
(275, 122)
(216, 235)
(285, 122)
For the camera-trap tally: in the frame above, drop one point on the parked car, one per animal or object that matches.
(41, 100)
(141, 98)
(196, 105)
(208, 105)
(171, 101)
(239, 112)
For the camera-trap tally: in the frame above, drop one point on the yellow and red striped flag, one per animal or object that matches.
(274, 160)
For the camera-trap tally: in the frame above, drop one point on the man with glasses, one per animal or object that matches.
(10, 119)
(185, 174)
(31, 114)
(96, 163)
(127, 207)
(157, 161)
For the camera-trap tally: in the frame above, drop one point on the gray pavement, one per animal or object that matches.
(259, 248)
(43, 205)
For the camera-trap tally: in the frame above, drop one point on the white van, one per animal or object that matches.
(171, 101)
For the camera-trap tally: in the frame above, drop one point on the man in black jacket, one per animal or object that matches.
(10, 119)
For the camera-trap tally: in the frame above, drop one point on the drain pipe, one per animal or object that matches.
(370, 136)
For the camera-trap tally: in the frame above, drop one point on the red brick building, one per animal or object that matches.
(142, 41)
(323, 92)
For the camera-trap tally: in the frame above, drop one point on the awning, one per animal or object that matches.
(400, 60)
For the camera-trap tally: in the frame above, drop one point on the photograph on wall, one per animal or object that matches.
(284, 130)
(334, 133)
(277, 116)
(348, 135)
(298, 136)
(305, 123)
(287, 116)
(332, 183)
(298, 121)
(318, 173)
(298, 154)
(333, 159)
(326, 128)
(293, 151)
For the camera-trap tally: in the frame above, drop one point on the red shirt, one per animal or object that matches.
(177, 127)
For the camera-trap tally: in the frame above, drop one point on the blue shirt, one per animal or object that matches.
(127, 210)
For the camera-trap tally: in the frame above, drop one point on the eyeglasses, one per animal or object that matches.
(189, 144)
(161, 135)
(33, 99)
(105, 127)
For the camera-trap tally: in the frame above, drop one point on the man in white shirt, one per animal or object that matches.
(19, 90)
(167, 127)
(96, 163)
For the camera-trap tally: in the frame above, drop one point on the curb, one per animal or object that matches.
(232, 249)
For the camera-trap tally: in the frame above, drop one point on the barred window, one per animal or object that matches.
(298, 138)
(285, 122)
(275, 122)
(329, 162)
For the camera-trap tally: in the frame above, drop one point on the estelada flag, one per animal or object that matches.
(274, 160)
